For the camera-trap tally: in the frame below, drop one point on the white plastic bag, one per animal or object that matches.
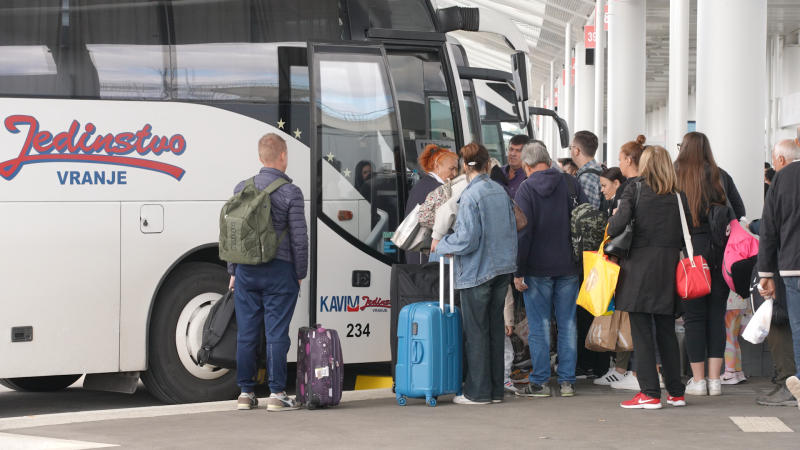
(406, 233)
(758, 327)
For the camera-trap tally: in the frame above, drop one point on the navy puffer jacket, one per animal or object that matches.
(287, 207)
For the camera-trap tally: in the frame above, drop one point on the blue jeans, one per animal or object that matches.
(793, 305)
(544, 296)
(265, 296)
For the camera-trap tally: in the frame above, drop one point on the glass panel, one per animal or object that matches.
(425, 113)
(411, 15)
(359, 142)
(471, 118)
(492, 141)
(118, 50)
(105, 49)
(227, 72)
(218, 21)
(441, 125)
(29, 34)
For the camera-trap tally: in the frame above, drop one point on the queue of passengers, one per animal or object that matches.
(496, 262)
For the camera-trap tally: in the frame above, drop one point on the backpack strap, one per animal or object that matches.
(250, 182)
(269, 190)
(571, 189)
(275, 185)
(594, 171)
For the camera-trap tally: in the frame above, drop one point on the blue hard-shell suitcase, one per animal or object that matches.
(429, 343)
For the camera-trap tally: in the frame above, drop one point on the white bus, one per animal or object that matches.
(126, 125)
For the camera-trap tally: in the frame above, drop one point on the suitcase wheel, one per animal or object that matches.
(401, 401)
(431, 401)
(311, 406)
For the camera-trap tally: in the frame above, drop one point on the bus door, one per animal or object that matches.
(357, 194)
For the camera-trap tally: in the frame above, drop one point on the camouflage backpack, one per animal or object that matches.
(587, 225)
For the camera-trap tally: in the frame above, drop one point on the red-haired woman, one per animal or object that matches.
(440, 165)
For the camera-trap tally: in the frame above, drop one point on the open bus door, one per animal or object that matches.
(354, 122)
(375, 104)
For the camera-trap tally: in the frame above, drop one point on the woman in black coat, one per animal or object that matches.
(441, 165)
(646, 285)
(705, 184)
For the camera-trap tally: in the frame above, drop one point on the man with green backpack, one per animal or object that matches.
(264, 239)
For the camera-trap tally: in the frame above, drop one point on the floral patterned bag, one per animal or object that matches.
(437, 198)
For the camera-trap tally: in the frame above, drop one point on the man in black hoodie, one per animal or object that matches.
(779, 247)
(546, 272)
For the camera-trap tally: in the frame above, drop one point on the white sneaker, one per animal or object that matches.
(740, 376)
(730, 378)
(793, 385)
(628, 383)
(661, 381)
(509, 386)
(696, 388)
(609, 377)
(461, 400)
(714, 387)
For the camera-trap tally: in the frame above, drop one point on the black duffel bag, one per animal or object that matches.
(219, 336)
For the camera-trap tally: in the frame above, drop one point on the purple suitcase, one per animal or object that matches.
(320, 367)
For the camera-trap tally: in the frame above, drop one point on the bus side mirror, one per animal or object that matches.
(522, 85)
(563, 129)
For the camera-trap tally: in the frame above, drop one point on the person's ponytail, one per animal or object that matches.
(475, 156)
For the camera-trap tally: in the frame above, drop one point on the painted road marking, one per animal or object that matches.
(12, 423)
(761, 425)
(20, 442)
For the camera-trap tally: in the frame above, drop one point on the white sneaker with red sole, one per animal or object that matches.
(642, 401)
(676, 401)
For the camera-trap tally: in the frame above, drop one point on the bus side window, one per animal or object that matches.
(29, 46)
(106, 49)
(424, 103)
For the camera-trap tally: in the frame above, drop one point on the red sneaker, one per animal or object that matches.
(642, 401)
(676, 401)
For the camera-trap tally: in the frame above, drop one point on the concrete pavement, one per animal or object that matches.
(591, 419)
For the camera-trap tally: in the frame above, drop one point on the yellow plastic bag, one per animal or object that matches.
(599, 282)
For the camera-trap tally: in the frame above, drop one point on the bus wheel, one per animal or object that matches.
(176, 333)
(40, 384)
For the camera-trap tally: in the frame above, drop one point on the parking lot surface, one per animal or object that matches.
(76, 419)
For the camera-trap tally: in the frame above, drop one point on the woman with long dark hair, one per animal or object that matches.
(364, 172)
(705, 184)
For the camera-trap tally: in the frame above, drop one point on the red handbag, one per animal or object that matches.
(693, 277)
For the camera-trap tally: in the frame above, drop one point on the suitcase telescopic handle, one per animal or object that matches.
(441, 284)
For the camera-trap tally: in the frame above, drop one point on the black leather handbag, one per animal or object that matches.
(620, 246)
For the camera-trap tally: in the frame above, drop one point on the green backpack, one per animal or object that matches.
(246, 232)
(587, 225)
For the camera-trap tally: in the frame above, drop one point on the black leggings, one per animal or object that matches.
(645, 341)
(704, 320)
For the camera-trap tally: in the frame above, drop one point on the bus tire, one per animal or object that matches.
(40, 384)
(174, 378)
